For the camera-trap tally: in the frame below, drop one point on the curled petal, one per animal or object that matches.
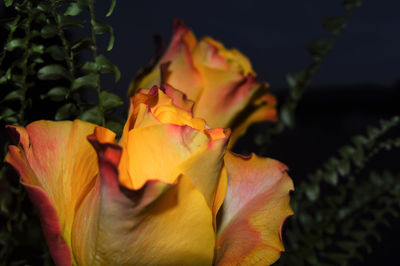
(255, 207)
(151, 225)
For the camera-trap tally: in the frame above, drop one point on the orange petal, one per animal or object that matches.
(58, 167)
(155, 225)
(255, 207)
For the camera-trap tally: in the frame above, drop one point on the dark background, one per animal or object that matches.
(358, 83)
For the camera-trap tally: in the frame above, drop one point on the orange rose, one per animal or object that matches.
(153, 198)
(220, 81)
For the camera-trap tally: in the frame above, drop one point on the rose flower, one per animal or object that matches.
(221, 82)
(154, 197)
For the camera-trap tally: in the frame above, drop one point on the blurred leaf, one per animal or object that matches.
(44, 6)
(56, 52)
(287, 115)
(74, 9)
(115, 126)
(65, 111)
(6, 112)
(53, 72)
(319, 48)
(294, 79)
(350, 4)
(15, 43)
(49, 31)
(14, 95)
(89, 67)
(110, 100)
(101, 28)
(68, 21)
(88, 81)
(334, 24)
(92, 115)
(312, 192)
(332, 178)
(113, 2)
(8, 3)
(56, 94)
(84, 43)
(37, 49)
(105, 66)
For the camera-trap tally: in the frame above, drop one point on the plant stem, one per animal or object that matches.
(67, 54)
(25, 66)
(94, 51)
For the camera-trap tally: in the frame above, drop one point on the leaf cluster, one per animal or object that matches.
(338, 209)
(43, 76)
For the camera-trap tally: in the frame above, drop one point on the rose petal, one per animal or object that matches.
(256, 205)
(58, 168)
(154, 152)
(152, 225)
(225, 95)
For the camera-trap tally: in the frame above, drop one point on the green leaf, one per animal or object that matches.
(49, 31)
(15, 43)
(332, 178)
(56, 52)
(68, 21)
(6, 112)
(65, 111)
(84, 43)
(350, 4)
(56, 94)
(8, 3)
(14, 95)
(92, 115)
(312, 192)
(334, 24)
(344, 168)
(37, 49)
(74, 9)
(44, 6)
(89, 67)
(88, 81)
(101, 28)
(105, 66)
(53, 72)
(294, 79)
(110, 100)
(287, 115)
(319, 48)
(113, 2)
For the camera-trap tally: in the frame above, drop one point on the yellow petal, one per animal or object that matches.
(155, 225)
(255, 207)
(154, 152)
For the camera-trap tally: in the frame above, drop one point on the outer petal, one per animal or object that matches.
(256, 205)
(152, 225)
(58, 168)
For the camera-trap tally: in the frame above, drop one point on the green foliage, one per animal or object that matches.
(338, 209)
(40, 65)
